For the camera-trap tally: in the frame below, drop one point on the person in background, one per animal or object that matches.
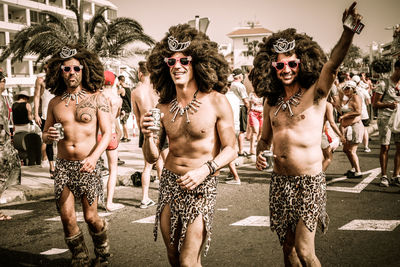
(41, 101)
(125, 93)
(10, 164)
(115, 102)
(239, 90)
(255, 120)
(387, 97)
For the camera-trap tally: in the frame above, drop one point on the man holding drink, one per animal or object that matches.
(75, 77)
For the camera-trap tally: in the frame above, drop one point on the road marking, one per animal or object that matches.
(15, 212)
(223, 209)
(54, 251)
(150, 219)
(79, 217)
(371, 225)
(253, 221)
(359, 187)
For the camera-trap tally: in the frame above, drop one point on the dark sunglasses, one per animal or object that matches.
(68, 68)
(281, 64)
(171, 61)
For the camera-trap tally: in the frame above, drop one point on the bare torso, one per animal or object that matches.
(115, 102)
(143, 97)
(80, 126)
(297, 139)
(192, 144)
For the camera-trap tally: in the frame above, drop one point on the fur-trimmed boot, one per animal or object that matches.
(80, 253)
(101, 246)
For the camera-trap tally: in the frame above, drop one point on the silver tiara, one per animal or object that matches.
(283, 46)
(176, 46)
(67, 52)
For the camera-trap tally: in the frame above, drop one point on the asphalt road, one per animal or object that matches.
(373, 240)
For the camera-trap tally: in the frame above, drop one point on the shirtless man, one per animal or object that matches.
(115, 102)
(296, 84)
(83, 111)
(41, 94)
(198, 122)
(143, 98)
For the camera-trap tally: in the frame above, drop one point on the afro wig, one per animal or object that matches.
(264, 77)
(210, 68)
(92, 72)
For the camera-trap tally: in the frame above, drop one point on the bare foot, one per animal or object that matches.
(4, 217)
(114, 206)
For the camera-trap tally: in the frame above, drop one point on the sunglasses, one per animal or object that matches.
(171, 61)
(68, 68)
(281, 65)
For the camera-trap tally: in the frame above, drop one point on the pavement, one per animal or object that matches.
(36, 183)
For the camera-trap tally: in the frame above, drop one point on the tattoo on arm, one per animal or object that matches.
(102, 103)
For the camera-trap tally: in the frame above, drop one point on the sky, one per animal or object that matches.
(321, 19)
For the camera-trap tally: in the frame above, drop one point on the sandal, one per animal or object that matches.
(4, 217)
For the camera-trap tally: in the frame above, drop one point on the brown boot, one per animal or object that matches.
(80, 253)
(101, 246)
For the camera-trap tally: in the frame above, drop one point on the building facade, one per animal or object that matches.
(244, 43)
(18, 14)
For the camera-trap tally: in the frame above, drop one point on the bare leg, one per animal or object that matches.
(365, 138)
(194, 240)
(327, 152)
(91, 216)
(289, 251)
(305, 247)
(253, 137)
(165, 226)
(112, 158)
(383, 158)
(397, 161)
(232, 168)
(353, 151)
(240, 142)
(67, 213)
(146, 181)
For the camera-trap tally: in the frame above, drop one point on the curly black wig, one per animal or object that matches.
(92, 72)
(264, 77)
(210, 68)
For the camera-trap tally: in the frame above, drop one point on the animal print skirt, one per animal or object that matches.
(186, 205)
(79, 183)
(293, 198)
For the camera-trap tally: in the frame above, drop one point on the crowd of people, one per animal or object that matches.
(299, 106)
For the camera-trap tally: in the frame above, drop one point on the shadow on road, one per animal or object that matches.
(19, 258)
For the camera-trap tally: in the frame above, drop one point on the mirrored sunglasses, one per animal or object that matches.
(68, 68)
(281, 64)
(171, 61)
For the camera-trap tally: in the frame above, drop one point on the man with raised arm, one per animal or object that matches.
(75, 77)
(292, 72)
(198, 122)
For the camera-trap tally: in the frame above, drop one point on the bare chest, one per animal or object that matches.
(193, 125)
(83, 112)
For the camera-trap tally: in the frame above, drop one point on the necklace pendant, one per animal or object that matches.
(284, 106)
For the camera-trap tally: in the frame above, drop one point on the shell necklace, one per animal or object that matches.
(293, 100)
(176, 108)
(75, 96)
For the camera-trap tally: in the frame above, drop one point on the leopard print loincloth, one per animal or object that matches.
(79, 183)
(186, 205)
(293, 198)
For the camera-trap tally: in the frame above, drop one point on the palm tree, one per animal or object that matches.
(107, 39)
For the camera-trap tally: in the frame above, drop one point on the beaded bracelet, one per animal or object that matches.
(212, 166)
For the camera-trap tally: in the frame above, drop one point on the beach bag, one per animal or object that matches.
(394, 120)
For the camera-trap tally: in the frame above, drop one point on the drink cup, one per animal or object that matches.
(156, 114)
(60, 130)
(270, 160)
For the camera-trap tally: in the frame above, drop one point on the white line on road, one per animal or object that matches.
(359, 187)
(15, 212)
(54, 251)
(150, 219)
(371, 225)
(253, 221)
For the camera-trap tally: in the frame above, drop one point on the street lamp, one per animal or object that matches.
(200, 24)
